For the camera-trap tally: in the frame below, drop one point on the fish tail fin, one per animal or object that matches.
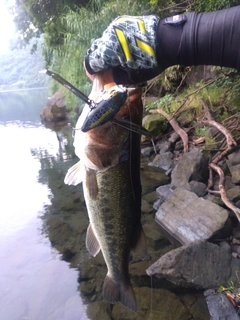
(114, 292)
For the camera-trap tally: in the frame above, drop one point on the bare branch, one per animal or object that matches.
(175, 126)
(222, 191)
(231, 143)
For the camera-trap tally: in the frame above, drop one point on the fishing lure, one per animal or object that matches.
(100, 112)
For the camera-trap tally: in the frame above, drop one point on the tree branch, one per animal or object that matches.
(222, 191)
(175, 126)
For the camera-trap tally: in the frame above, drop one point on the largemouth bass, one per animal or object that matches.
(110, 165)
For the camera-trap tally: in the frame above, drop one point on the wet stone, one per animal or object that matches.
(233, 194)
(150, 197)
(87, 288)
(199, 188)
(154, 304)
(152, 178)
(153, 236)
(146, 207)
(163, 161)
(189, 218)
(192, 166)
(99, 310)
(221, 308)
(87, 272)
(198, 265)
(148, 151)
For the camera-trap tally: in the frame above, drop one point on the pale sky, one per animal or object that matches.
(6, 27)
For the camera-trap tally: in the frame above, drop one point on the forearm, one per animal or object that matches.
(203, 39)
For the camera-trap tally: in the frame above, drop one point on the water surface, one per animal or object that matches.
(35, 282)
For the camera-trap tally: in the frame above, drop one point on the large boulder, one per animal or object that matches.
(192, 166)
(201, 265)
(55, 110)
(188, 218)
(155, 123)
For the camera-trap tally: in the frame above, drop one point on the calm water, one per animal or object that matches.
(35, 282)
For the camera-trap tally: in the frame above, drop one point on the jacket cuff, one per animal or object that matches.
(87, 65)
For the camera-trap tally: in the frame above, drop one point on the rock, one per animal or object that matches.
(226, 246)
(55, 109)
(174, 137)
(234, 158)
(198, 265)
(152, 178)
(153, 235)
(167, 147)
(233, 194)
(154, 304)
(235, 173)
(150, 197)
(189, 218)
(163, 161)
(146, 207)
(147, 152)
(192, 166)
(199, 188)
(155, 123)
(221, 308)
(87, 272)
(163, 192)
(99, 310)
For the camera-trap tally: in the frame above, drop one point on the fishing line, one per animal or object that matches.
(151, 295)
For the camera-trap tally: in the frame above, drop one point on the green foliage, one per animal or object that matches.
(160, 103)
(79, 27)
(230, 288)
(211, 5)
(200, 131)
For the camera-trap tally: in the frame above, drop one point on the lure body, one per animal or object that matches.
(105, 110)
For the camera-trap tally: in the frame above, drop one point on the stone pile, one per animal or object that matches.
(204, 232)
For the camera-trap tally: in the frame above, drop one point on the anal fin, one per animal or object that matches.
(92, 243)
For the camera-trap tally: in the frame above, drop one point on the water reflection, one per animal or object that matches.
(46, 272)
(35, 283)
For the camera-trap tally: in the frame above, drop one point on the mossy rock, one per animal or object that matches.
(155, 123)
(186, 117)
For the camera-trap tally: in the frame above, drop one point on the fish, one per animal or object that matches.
(109, 169)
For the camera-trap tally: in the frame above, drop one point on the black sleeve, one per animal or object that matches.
(202, 39)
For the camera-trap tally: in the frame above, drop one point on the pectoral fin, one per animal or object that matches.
(74, 175)
(139, 245)
(92, 243)
(91, 183)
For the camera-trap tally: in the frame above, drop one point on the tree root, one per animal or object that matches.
(183, 135)
(231, 146)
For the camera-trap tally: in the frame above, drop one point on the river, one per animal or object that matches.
(36, 283)
(46, 272)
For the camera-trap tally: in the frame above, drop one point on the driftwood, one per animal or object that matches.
(183, 135)
(231, 145)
